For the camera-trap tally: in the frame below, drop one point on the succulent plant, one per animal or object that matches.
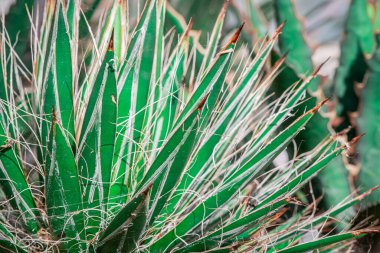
(122, 144)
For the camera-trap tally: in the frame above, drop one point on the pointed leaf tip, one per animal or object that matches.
(367, 193)
(366, 231)
(224, 8)
(355, 139)
(110, 44)
(319, 105)
(278, 30)
(188, 28)
(318, 68)
(279, 62)
(234, 37)
(202, 103)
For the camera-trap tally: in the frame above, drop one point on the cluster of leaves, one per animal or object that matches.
(136, 143)
(352, 88)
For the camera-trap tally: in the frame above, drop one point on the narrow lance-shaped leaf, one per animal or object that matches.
(154, 98)
(165, 182)
(134, 83)
(97, 144)
(214, 39)
(179, 22)
(301, 179)
(292, 42)
(126, 227)
(168, 96)
(332, 214)
(13, 182)
(58, 92)
(120, 31)
(218, 83)
(63, 193)
(212, 82)
(169, 150)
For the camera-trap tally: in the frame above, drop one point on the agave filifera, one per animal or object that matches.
(127, 147)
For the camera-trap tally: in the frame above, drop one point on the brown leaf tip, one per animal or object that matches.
(110, 44)
(355, 139)
(319, 105)
(235, 37)
(366, 231)
(188, 28)
(318, 68)
(294, 201)
(224, 8)
(203, 102)
(278, 30)
(369, 192)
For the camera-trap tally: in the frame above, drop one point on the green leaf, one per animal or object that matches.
(58, 92)
(168, 96)
(13, 182)
(213, 79)
(8, 247)
(125, 228)
(214, 39)
(327, 241)
(292, 42)
(63, 193)
(134, 82)
(97, 144)
(120, 31)
(173, 170)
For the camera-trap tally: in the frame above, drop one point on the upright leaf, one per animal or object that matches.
(96, 146)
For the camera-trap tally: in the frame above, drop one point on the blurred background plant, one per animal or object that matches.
(346, 31)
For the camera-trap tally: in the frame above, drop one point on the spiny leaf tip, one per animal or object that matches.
(318, 68)
(110, 44)
(319, 105)
(356, 139)
(188, 28)
(278, 30)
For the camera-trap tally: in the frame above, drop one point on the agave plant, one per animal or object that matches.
(122, 146)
